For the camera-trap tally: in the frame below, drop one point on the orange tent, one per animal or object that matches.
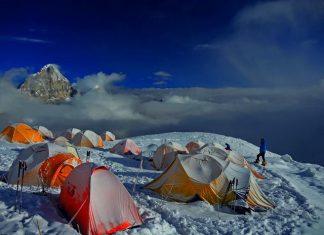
(54, 170)
(21, 133)
(94, 198)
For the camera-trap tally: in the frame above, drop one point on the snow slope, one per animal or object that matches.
(296, 188)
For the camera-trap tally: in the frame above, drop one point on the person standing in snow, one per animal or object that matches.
(263, 150)
(228, 147)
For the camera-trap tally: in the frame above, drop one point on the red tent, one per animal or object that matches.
(95, 199)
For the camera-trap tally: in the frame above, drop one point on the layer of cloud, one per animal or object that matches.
(290, 119)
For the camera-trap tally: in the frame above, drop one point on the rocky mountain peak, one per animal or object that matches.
(52, 71)
(48, 85)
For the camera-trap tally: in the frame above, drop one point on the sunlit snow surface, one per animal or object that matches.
(296, 188)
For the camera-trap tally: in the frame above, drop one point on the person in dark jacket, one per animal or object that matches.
(228, 147)
(263, 150)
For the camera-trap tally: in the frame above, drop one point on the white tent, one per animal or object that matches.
(166, 153)
(44, 131)
(70, 133)
(88, 139)
(127, 146)
(220, 152)
(108, 136)
(194, 145)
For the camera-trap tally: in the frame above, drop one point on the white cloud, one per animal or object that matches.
(162, 74)
(161, 78)
(160, 83)
(32, 40)
(99, 81)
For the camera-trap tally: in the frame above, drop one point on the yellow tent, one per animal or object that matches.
(210, 179)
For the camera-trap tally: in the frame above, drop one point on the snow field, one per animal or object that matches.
(296, 188)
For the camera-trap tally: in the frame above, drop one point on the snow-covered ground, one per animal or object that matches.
(296, 188)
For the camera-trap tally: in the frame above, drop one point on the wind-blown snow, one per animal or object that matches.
(297, 190)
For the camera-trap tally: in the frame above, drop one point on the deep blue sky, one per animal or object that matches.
(137, 38)
(200, 43)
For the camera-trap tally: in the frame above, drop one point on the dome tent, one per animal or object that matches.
(44, 165)
(108, 136)
(46, 133)
(87, 139)
(194, 145)
(127, 146)
(214, 149)
(21, 133)
(166, 153)
(70, 133)
(97, 201)
(220, 152)
(61, 140)
(210, 179)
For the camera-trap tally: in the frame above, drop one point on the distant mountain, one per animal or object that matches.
(49, 85)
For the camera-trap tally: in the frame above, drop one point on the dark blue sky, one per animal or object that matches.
(137, 38)
(199, 43)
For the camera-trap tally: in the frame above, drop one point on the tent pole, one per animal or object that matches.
(140, 168)
(24, 167)
(71, 220)
(17, 189)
